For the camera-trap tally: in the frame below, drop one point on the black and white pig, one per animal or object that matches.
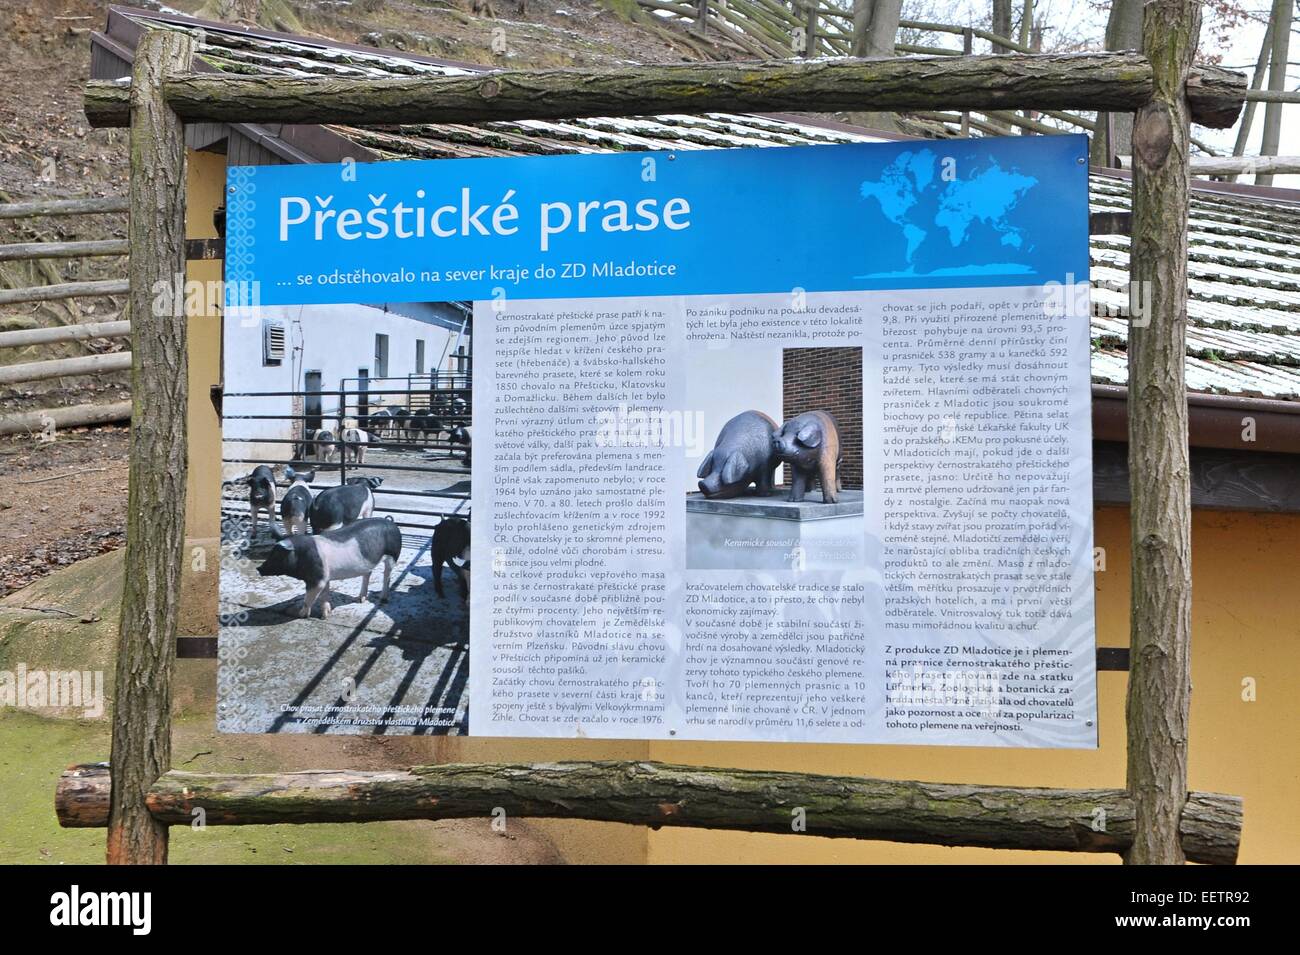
(462, 434)
(261, 495)
(450, 540)
(402, 424)
(353, 445)
(426, 427)
(296, 501)
(320, 559)
(323, 444)
(337, 506)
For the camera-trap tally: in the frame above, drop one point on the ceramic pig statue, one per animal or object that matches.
(742, 455)
(810, 444)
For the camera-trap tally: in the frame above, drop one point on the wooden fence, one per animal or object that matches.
(46, 369)
(812, 28)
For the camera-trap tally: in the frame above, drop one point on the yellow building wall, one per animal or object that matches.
(199, 575)
(1246, 619)
(1246, 624)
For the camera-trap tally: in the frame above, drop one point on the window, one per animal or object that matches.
(419, 356)
(272, 342)
(381, 356)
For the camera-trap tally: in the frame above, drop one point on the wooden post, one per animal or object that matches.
(967, 47)
(702, 17)
(810, 28)
(1159, 683)
(155, 531)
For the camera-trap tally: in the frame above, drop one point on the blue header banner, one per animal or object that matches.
(921, 214)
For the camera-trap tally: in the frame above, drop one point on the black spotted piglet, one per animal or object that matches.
(320, 559)
(451, 540)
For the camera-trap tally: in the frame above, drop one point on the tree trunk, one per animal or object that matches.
(1281, 25)
(657, 794)
(1159, 683)
(1256, 82)
(1001, 23)
(155, 530)
(1123, 32)
(875, 26)
(1011, 81)
(1027, 23)
(875, 29)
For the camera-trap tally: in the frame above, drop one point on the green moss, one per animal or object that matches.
(34, 750)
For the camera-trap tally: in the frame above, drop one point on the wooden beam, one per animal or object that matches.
(1159, 686)
(1234, 165)
(61, 250)
(1273, 96)
(24, 337)
(155, 522)
(1221, 480)
(659, 794)
(62, 207)
(50, 293)
(64, 368)
(1114, 81)
(72, 416)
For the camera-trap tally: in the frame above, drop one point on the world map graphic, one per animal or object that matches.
(950, 225)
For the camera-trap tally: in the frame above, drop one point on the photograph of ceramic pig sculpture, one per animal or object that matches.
(810, 444)
(743, 458)
(345, 519)
(781, 485)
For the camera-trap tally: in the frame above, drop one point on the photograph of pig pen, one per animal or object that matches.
(345, 519)
(777, 484)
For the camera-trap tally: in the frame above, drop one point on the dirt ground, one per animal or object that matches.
(60, 501)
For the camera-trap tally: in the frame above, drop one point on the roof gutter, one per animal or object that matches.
(1213, 421)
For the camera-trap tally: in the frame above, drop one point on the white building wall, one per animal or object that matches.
(337, 341)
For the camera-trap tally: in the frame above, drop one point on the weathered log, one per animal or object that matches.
(50, 293)
(1214, 96)
(64, 368)
(61, 250)
(64, 333)
(155, 520)
(1159, 684)
(62, 207)
(659, 794)
(1234, 165)
(71, 416)
(1115, 81)
(929, 27)
(1273, 96)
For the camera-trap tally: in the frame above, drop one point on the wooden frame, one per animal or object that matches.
(1167, 93)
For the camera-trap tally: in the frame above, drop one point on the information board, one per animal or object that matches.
(747, 444)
